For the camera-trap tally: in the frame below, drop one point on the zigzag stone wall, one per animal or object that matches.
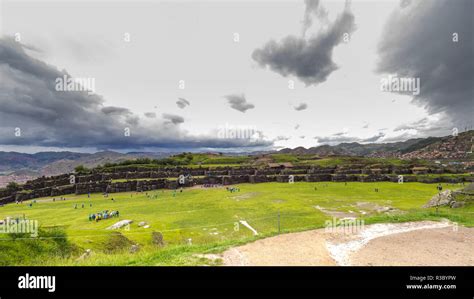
(167, 178)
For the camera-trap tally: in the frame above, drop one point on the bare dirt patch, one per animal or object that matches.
(342, 245)
(296, 249)
(414, 243)
(245, 196)
(279, 201)
(338, 214)
(433, 247)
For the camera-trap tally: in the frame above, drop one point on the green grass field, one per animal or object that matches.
(207, 220)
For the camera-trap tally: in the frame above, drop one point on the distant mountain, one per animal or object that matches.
(448, 147)
(351, 149)
(52, 163)
(21, 167)
(10, 161)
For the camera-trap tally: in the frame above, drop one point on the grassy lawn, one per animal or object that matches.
(207, 220)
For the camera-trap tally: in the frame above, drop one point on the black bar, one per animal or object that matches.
(243, 282)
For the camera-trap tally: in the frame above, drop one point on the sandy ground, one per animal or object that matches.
(415, 243)
(433, 247)
(296, 249)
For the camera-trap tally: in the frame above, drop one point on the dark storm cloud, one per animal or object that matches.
(343, 138)
(418, 43)
(150, 114)
(335, 139)
(182, 103)
(308, 59)
(313, 9)
(51, 118)
(132, 120)
(427, 127)
(239, 103)
(174, 119)
(374, 138)
(404, 3)
(301, 107)
(282, 138)
(115, 110)
(422, 123)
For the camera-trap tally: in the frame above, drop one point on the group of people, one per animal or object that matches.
(83, 205)
(61, 198)
(232, 189)
(103, 215)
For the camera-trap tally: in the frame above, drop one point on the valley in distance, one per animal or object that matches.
(349, 204)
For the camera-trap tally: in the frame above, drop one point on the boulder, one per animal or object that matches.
(120, 224)
(157, 238)
(383, 209)
(85, 255)
(441, 199)
(457, 204)
(134, 248)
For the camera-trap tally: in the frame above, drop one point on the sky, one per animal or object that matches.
(232, 76)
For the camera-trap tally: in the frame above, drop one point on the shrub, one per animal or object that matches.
(22, 249)
(116, 243)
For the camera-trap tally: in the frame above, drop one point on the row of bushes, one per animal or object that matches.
(22, 249)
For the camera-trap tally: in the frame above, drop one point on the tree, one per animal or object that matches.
(81, 169)
(12, 186)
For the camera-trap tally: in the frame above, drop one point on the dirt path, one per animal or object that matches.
(414, 243)
(434, 247)
(296, 249)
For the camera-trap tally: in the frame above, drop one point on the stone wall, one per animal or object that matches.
(238, 179)
(318, 177)
(167, 178)
(261, 179)
(348, 171)
(92, 187)
(88, 178)
(7, 199)
(4, 193)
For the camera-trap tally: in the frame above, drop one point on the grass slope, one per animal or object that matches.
(207, 220)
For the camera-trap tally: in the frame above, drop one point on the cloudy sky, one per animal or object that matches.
(232, 75)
